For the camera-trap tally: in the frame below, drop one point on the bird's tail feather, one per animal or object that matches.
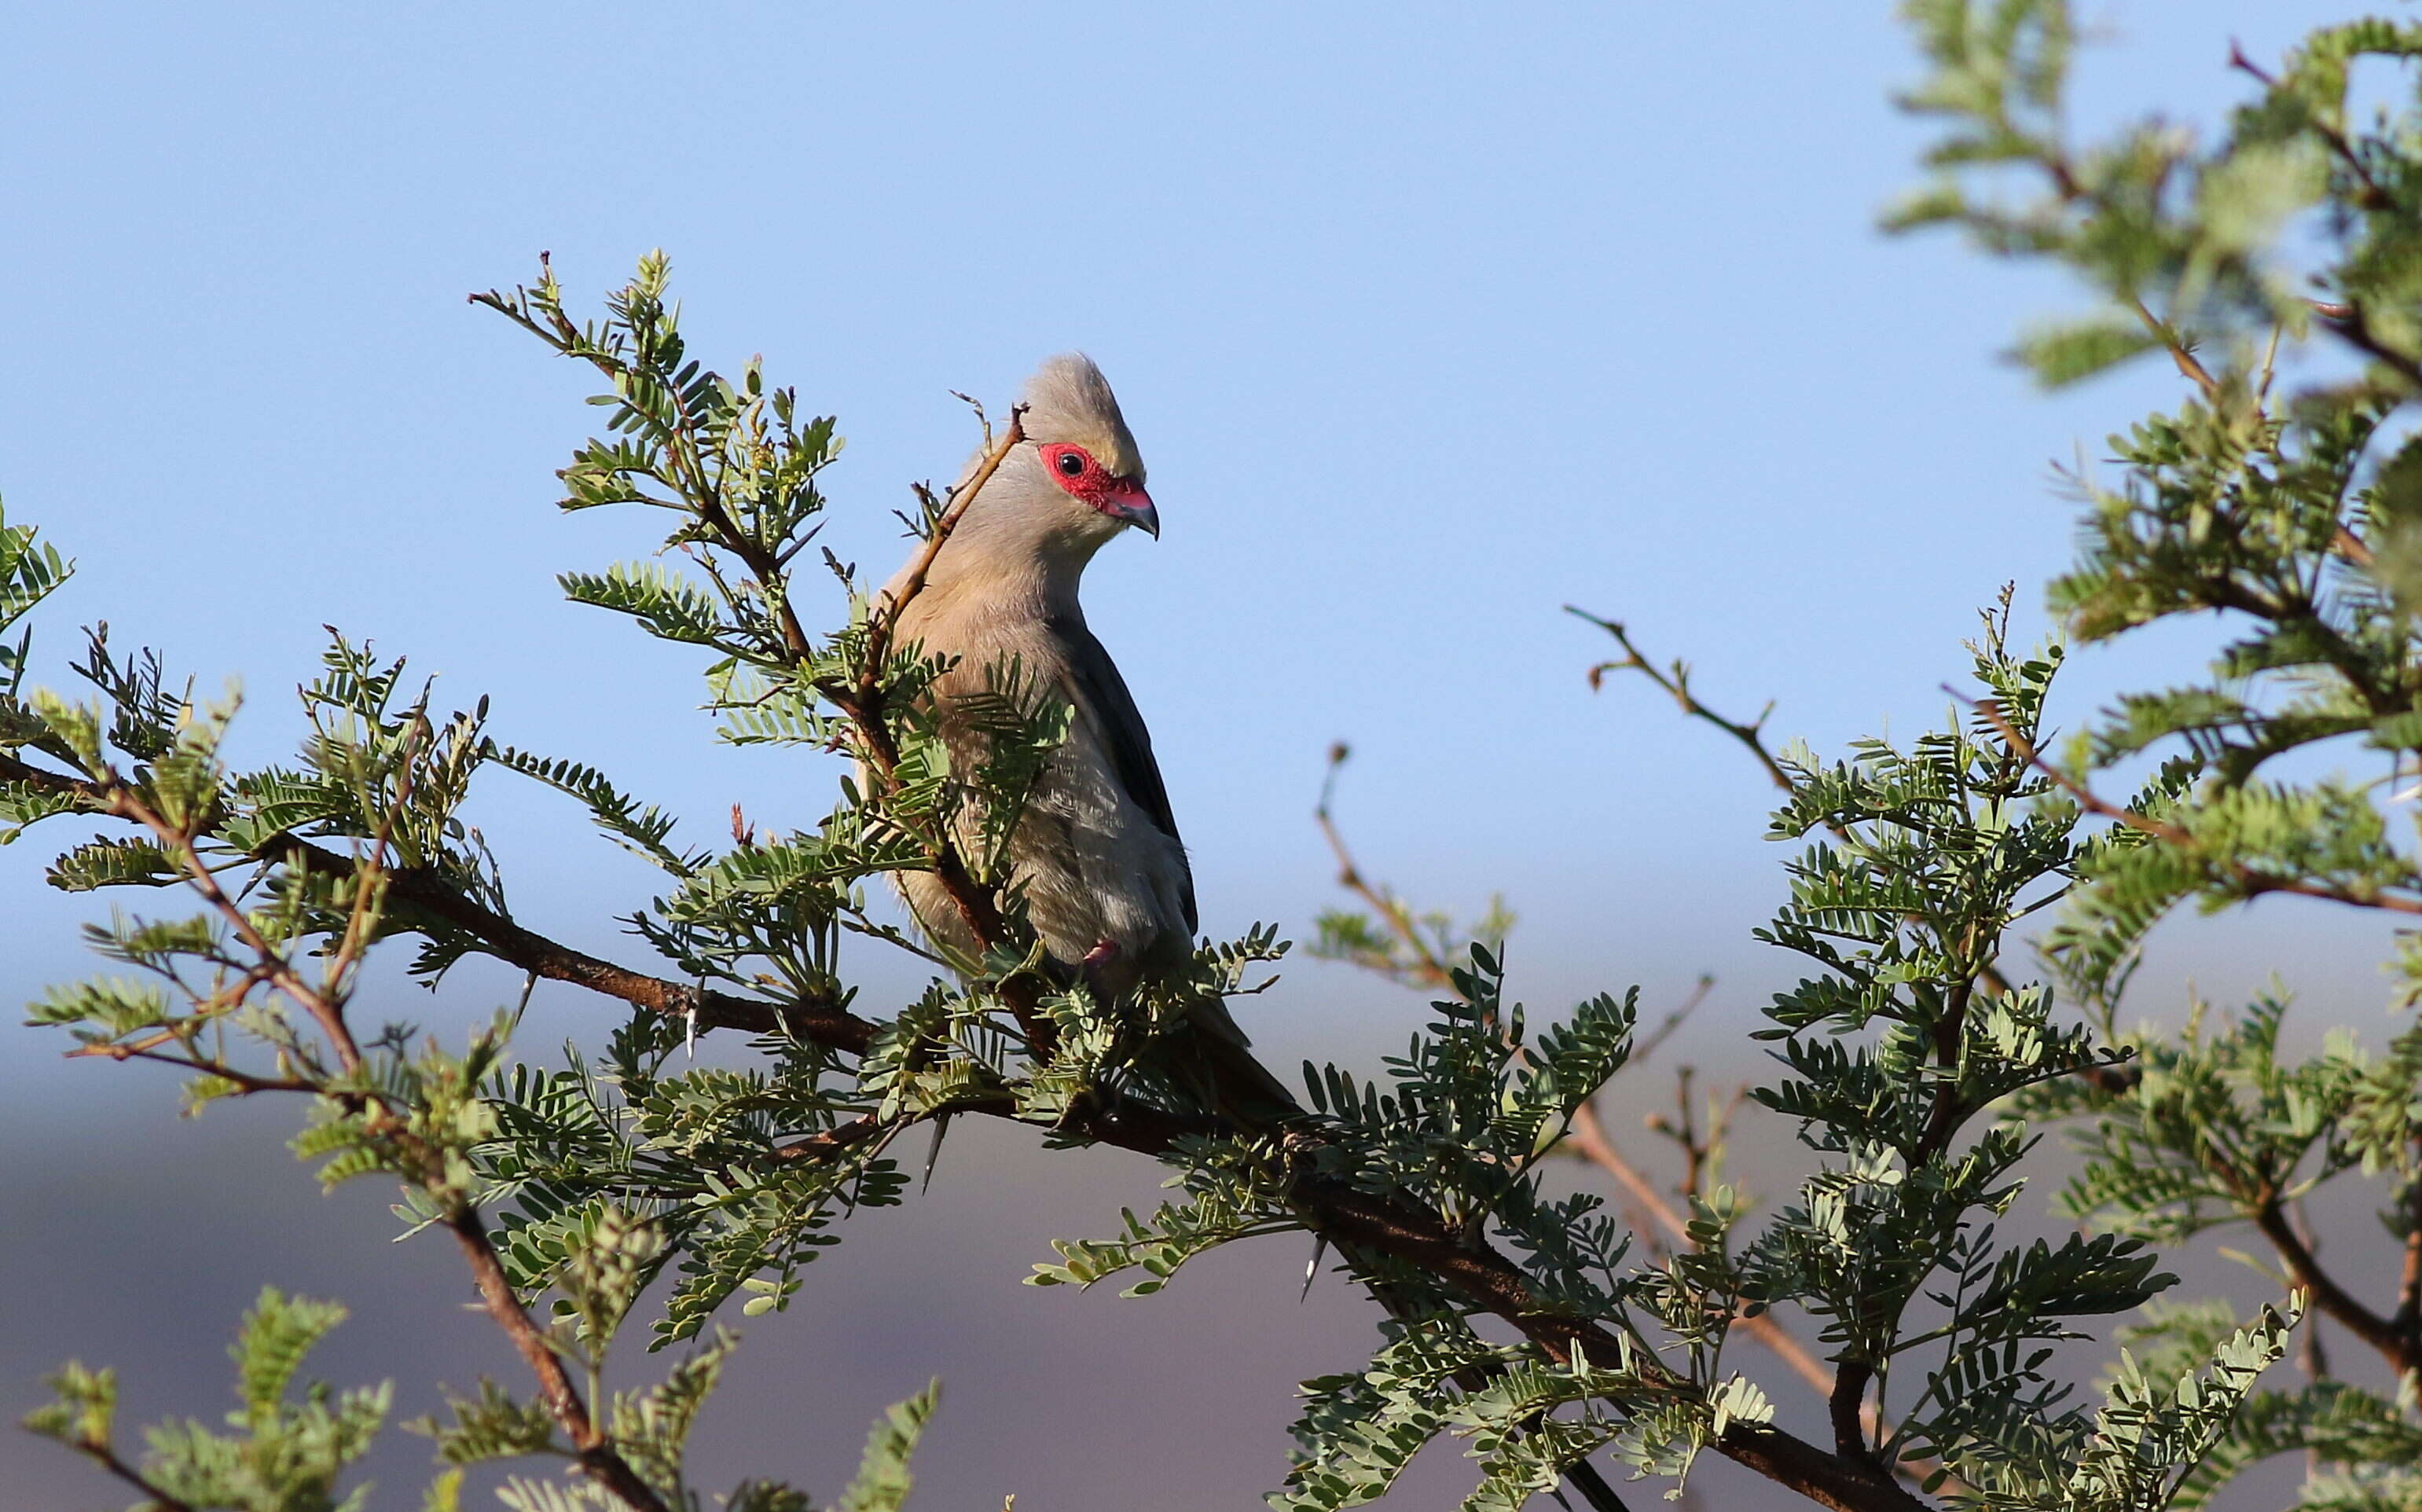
(1230, 1077)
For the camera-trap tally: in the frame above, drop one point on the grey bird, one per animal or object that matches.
(1096, 849)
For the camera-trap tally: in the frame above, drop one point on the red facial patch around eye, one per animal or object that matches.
(1079, 475)
(1076, 471)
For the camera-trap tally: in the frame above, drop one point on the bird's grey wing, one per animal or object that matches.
(1097, 683)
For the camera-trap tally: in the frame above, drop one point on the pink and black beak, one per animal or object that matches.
(1128, 501)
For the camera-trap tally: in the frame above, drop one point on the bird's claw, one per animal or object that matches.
(1096, 963)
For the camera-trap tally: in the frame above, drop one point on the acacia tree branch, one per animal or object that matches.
(107, 1458)
(1425, 968)
(2395, 1345)
(2397, 1339)
(2252, 880)
(1400, 1230)
(865, 702)
(1422, 1239)
(2371, 197)
(2407, 1317)
(1587, 1134)
(2357, 331)
(1397, 1229)
(241, 1080)
(594, 1449)
(1675, 681)
(882, 624)
(2188, 364)
(1589, 1140)
(861, 699)
(274, 966)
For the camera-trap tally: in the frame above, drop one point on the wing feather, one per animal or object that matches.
(1100, 689)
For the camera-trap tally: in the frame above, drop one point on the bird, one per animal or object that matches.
(1095, 851)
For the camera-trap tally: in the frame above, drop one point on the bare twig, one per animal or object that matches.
(1675, 681)
(886, 619)
(1643, 1049)
(1425, 968)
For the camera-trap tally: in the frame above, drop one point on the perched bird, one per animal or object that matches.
(1096, 849)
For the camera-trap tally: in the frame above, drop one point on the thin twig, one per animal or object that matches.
(1590, 1139)
(594, 1450)
(107, 1458)
(2373, 196)
(2186, 360)
(1426, 969)
(1675, 681)
(886, 619)
(836, 1139)
(1643, 1049)
(2252, 880)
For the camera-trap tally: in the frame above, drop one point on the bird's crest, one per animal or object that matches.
(1068, 399)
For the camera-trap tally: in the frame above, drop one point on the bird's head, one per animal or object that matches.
(1078, 468)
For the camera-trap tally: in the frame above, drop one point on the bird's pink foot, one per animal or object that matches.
(1096, 965)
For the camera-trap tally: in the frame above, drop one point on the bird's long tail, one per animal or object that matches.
(1223, 1068)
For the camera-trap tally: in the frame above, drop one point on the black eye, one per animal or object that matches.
(1071, 464)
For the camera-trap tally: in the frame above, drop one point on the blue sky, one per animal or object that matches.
(1429, 320)
(1429, 323)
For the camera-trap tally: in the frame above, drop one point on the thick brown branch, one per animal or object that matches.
(2409, 1283)
(426, 893)
(594, 1450)
(2396, 1346)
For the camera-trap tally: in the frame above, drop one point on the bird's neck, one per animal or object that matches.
(1005, 569)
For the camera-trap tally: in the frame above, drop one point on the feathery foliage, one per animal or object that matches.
(2278, 268)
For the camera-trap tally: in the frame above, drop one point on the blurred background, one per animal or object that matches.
(1431, 319)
